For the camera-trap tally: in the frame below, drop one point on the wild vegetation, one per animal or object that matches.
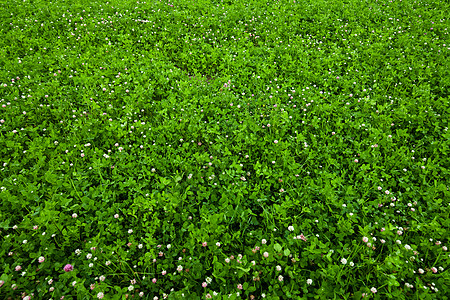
(224, 149)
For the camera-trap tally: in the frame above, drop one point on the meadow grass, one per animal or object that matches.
(224, 149)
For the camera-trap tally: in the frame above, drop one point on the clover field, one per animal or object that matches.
(179, 149)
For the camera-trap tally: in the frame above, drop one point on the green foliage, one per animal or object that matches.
(224, 149)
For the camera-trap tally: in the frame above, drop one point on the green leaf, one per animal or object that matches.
(277, 247)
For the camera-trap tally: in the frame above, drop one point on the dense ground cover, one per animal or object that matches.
(224, 149)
